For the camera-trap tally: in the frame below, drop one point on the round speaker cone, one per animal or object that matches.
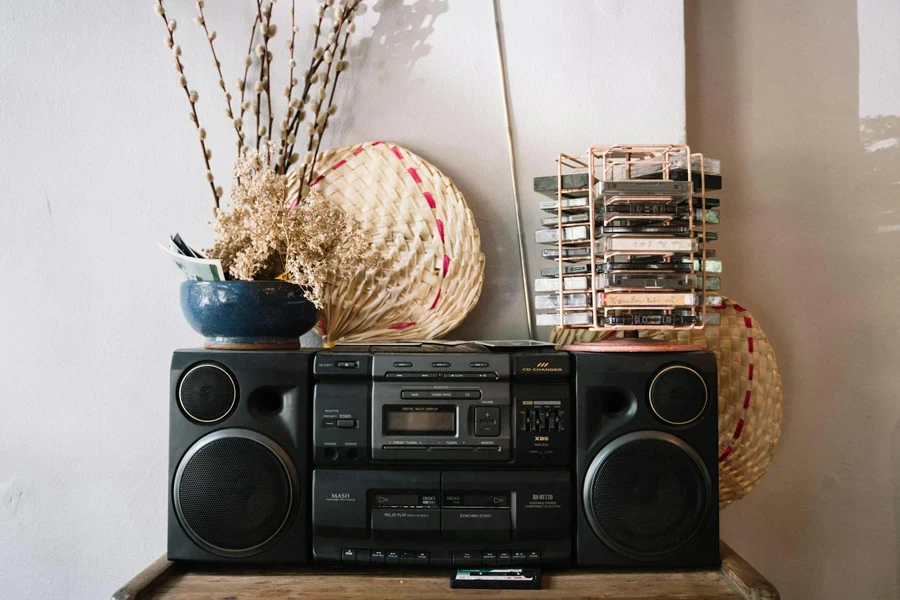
(207, 393)
(648, 496)
(234, 492)
(678, 395)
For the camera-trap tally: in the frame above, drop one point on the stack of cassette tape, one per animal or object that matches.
(628, 230)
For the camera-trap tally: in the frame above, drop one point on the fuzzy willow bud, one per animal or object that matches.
(202, 133)
(194, 96)
(209, 176)
(212, 36)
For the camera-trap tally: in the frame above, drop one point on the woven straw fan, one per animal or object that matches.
(750, 394)
(418, 220)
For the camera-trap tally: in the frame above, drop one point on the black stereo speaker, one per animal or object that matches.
(646, 460)
(239, 459)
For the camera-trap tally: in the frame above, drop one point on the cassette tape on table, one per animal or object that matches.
(628, 228)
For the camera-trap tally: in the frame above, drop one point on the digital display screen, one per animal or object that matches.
(419, 420)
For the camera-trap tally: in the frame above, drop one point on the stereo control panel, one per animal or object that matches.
(442, 517)
(462, 407)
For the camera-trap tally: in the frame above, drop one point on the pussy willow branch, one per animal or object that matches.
(242, 83)
(191, 96)
(210, 37)
(270, 33)
(339, 68)
(294, 122)
(314, 127)
(282, 160)
(262, 70)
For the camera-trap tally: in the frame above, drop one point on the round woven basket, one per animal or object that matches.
(418, 220)
(750, 394)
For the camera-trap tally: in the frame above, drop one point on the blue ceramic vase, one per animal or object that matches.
(248, 315)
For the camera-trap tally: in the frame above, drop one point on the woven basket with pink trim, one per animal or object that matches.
(432, 271)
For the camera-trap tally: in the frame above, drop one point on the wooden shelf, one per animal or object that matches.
(163, 580)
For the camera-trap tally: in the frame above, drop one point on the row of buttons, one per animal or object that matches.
(441, 448)
(490, 558)
(498, 500)
(467, 558)
(384, 557)
(439, 365)
(440, 394)
(427, 375)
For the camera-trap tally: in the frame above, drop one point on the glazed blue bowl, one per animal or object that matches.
(248, 315)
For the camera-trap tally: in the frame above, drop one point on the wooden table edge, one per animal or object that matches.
(744, 577)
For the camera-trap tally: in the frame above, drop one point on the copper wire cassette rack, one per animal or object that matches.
(609, 306)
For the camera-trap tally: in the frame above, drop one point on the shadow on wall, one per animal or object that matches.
(810, 234)
(398, 40)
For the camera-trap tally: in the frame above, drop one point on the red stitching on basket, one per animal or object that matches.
(747, 400)
(415, 175)
(725, 454)
(446, 265)
(750, 344)
(748, 323)
(750, 373)
(739, 308)
(396, 152)
(430, 200)
(358, 150)
(403, 325)
(440, 228)
(738, 429)
(436, 298)
(376, 143)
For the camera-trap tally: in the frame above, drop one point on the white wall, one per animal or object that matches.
(98, 162)
(780, 91)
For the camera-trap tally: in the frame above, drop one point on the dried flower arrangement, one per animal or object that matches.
(267, 235)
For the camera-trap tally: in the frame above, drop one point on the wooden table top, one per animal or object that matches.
(164, 580)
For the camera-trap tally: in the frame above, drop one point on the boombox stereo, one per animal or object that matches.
(444, 455)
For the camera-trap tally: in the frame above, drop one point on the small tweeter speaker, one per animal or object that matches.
(207, 393)
(678, 394)
(646, 460)
(238, 456)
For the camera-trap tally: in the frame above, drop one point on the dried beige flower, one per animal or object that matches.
(262, 237)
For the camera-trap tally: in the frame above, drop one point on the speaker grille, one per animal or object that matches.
(678, 395)
(234, 494)
(647, 496)
(207, 393)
